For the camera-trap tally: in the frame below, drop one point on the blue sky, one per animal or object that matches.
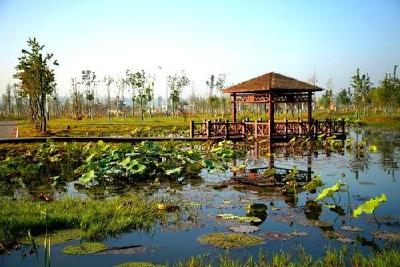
(241, 38)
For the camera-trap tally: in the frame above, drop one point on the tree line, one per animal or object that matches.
(34, 93)
(362, 97)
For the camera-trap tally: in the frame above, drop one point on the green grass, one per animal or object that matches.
(56, 237)
(85, 248)
(101, 126)
(138, 264)
(332, 258)
(124, 126)
(95, 218)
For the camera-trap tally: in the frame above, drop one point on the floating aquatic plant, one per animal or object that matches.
(230, 240)
(314, 184)
(85, 248)
(329, 191)
(369, 206)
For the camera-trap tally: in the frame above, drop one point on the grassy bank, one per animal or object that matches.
(165, 126)
(117, 126)
(95, 218)
(332, 258)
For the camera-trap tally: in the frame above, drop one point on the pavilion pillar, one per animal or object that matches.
(233, 110)
(271, 112)
(309, 109)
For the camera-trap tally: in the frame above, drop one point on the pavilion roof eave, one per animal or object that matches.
(272, 82)
(275, 90)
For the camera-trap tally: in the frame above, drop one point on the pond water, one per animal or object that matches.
(365, 177)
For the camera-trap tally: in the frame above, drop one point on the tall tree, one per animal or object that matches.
(136, 81)
(8, 99)
(343, 98)
(215, 83)
(18, 98)
(175, 84)
(327, 98)
(108, 80)
(89, 80)
(145, 94)
(361, 85)
(37, 79)
(121, 85)
(76, 99)
(390, 89)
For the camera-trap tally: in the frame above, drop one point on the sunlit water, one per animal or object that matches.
(366, 177)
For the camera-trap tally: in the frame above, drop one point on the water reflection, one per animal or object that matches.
(326, 224)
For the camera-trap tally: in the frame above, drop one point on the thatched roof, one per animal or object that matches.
(271, 81)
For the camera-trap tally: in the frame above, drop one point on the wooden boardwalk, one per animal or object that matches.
(282, 130)
(217, 131)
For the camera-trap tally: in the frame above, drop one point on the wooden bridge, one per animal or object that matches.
(282, 130)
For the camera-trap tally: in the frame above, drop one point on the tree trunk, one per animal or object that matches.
(43, 117)
(133, 107)
(141, 106)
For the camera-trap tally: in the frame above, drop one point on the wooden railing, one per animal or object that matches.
(282, 130)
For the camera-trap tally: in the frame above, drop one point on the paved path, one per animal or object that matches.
(113, 139)
(8, 129)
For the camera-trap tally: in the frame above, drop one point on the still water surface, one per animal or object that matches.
(366, 176)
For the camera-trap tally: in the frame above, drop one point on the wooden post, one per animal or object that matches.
(243, 128)
(343, 129)
(227, 129)
(309, 111)
(191, 129)
(271, 117)
(315, 128)
(233, 107)
(286, 125)
(208, 128)
(255, 129)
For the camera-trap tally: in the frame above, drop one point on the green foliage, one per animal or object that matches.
(370, 205)
(373, 148)
(328, 192)
(96, 218)
(139, 264)
(331, 257)
(56, 237)
(37, 79)
(175, 84)
(343, 98)
(256, 208)
(314, 184)
(361, 85)
(145, 161)
(225, 150)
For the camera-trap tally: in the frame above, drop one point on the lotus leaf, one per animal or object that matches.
(370, 205)
(328, 192)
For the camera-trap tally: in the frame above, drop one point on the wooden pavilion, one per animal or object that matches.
(270, 89)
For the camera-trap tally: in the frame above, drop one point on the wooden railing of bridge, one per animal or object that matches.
(283, 130)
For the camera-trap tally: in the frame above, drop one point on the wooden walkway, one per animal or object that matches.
(282, 131)
(217, 131)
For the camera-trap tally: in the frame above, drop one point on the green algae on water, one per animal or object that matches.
(230, 240)
(57, 237)
(85, 248)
